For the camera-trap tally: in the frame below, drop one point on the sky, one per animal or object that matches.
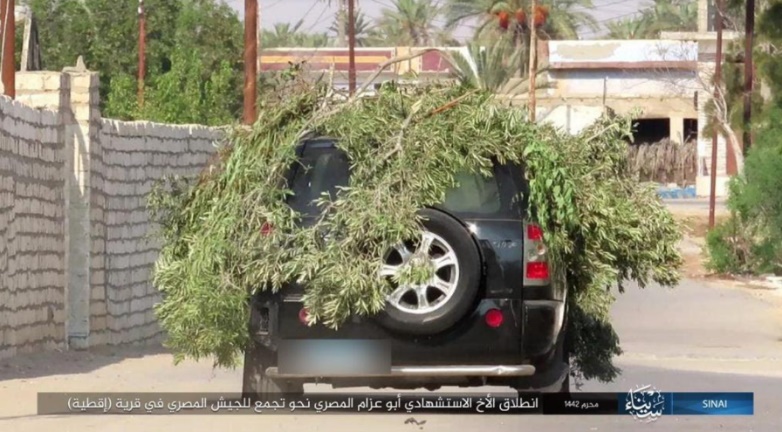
(318, 14)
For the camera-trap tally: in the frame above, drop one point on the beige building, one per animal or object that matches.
(664, 83)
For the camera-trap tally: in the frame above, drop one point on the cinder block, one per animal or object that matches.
(81, 112)
(30, 81)
(52, 81)
(97, 308)
(85, 80)
(98, 289)
(59, 314)
(97, 327)
(139, 291)
(138, 319)
(80, 97)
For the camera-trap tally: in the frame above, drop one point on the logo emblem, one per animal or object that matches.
(645, 403)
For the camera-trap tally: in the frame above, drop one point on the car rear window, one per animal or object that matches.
(326, 169)
(321, 170)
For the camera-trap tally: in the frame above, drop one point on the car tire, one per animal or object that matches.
(256, 385)
(565, 388)
(466, 286)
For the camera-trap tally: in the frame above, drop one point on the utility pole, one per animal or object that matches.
(250, 60)
(8, 31)
(351, 46)
(533, 53)
(142, 51)
(28, 18)
(716, 132)
(749, 72)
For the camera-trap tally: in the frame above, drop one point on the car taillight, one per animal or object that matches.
(537, 270)
(493, 318)
(534, 233)
(266, 228)
(536, 267)
(303, 315)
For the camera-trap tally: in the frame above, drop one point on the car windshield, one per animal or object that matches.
(324, 170)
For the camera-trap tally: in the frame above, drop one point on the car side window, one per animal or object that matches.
(475, 193)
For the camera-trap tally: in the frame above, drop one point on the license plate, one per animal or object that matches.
(334, 357)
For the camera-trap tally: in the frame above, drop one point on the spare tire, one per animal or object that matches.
(438, 304)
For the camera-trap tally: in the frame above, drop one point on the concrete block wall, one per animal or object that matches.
(135, 156)
(75, 253)
(32, 230)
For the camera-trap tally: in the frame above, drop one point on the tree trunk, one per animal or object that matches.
(733, 142)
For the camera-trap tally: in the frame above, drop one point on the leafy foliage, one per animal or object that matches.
(413, 23)
(564, 20)
(750, 242)
(663, 15)
(105, 32)
(405, 147)
(487, 68)
(286, 35)
(180, 95)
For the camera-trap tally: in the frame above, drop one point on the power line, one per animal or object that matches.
(322, 12)
(618, 2)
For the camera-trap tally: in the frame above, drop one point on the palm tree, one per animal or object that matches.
(412, 23)
(672, 15)
(664, 15)
(553, 18)
(564, 18)
(629, 28)
(362, 30)
(286, 35)
(490, 68)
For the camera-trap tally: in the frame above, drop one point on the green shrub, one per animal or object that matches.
(724, 245)
(750, 242)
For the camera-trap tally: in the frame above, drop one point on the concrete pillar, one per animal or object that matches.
(703, 16)
(74, 94)
(676, 131)
(81, 121)
(405, 66)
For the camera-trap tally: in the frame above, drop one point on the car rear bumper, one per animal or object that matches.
(429, 371)
(523, 347)
(472, 342)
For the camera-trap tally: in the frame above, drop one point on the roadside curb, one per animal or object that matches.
(676, 192)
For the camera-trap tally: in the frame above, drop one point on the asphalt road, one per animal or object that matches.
(693, 338)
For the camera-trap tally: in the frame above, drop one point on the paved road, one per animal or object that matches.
(693, 338)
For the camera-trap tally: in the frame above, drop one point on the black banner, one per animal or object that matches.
(325, 403)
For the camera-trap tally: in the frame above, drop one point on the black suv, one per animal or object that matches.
(490, 315)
